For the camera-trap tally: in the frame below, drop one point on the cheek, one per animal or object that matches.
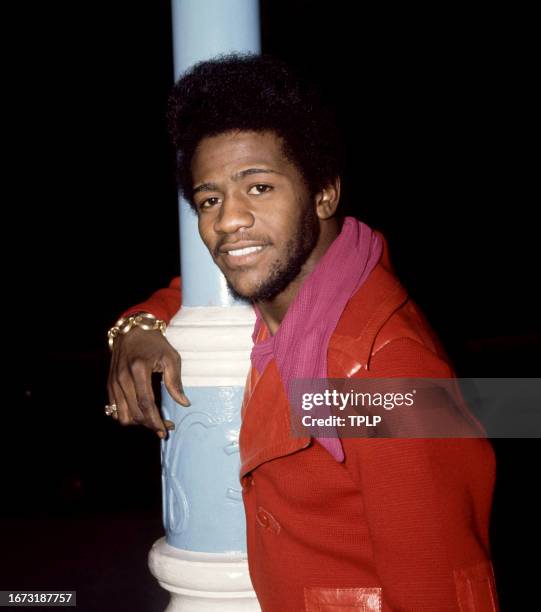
(286, 229)
(207, 236)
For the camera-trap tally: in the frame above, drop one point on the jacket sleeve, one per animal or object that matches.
(427, 503)
(163, 304)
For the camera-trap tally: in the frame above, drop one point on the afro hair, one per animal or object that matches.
(244, 91)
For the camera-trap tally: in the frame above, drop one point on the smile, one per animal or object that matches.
(245, 251)
(243, 257)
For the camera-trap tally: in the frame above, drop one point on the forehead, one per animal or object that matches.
(230, 151)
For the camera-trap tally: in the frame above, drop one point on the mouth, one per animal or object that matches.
(245, 256)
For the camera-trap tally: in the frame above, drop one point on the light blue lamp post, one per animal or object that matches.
(202, 559)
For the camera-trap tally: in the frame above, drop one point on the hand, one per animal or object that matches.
(136, 355)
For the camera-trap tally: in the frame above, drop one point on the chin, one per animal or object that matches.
(241, 290)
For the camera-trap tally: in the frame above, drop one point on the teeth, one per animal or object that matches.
(246, 251)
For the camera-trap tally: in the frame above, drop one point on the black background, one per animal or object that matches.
(437, 107)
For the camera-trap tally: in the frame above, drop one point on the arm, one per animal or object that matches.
(163, 304)
(137, 355)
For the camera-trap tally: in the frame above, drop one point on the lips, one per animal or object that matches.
(240, 244)
(241, 253)
(245, 251)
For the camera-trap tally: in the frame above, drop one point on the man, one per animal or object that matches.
(350, 524)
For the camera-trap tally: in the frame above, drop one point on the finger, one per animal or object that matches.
(112, 399)
(124, 416)
(142, 416)
(110, 391)
(173, 381)
(141, 377)
(130, 395)
(169, 424)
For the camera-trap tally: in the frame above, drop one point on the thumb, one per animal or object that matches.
(173, 382)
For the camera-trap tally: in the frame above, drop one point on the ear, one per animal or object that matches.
(327, 199)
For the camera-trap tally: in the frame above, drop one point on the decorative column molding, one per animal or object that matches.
(216, 344)
(210, 581)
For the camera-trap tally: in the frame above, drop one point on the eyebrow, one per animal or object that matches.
(235, 177)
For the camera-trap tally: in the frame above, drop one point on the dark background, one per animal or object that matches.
(437, 108)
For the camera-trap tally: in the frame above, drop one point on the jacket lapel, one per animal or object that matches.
(266, 427)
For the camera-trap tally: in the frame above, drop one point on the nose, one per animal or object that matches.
(234, 215)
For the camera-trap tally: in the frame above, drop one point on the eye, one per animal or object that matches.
(205, 204)
(266, 187)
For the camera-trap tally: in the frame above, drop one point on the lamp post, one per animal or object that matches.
(201, 560)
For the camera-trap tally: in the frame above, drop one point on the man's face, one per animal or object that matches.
(255, 213)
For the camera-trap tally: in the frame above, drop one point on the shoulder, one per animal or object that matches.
(408, 337)
(383, 328)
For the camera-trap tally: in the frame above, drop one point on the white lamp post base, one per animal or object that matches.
(203, 582)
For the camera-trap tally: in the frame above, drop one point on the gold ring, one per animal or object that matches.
(110, 409)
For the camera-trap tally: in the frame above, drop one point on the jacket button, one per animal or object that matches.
(262, 518)
(266, 520)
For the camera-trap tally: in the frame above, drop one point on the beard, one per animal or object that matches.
(283, 272)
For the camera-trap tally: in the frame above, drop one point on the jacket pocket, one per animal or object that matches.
(366, 599)
(476, 588)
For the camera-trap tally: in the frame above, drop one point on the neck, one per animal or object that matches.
(274, 310)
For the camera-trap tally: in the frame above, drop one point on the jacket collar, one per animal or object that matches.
(366, 312)
(266, 428)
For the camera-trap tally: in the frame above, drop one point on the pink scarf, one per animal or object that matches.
(300, 344)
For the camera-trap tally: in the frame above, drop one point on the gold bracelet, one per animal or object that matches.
(144, 320)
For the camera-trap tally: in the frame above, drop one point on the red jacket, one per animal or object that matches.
(401, 524)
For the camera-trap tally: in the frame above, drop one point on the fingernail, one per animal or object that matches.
(161, 434)
(186, 400)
